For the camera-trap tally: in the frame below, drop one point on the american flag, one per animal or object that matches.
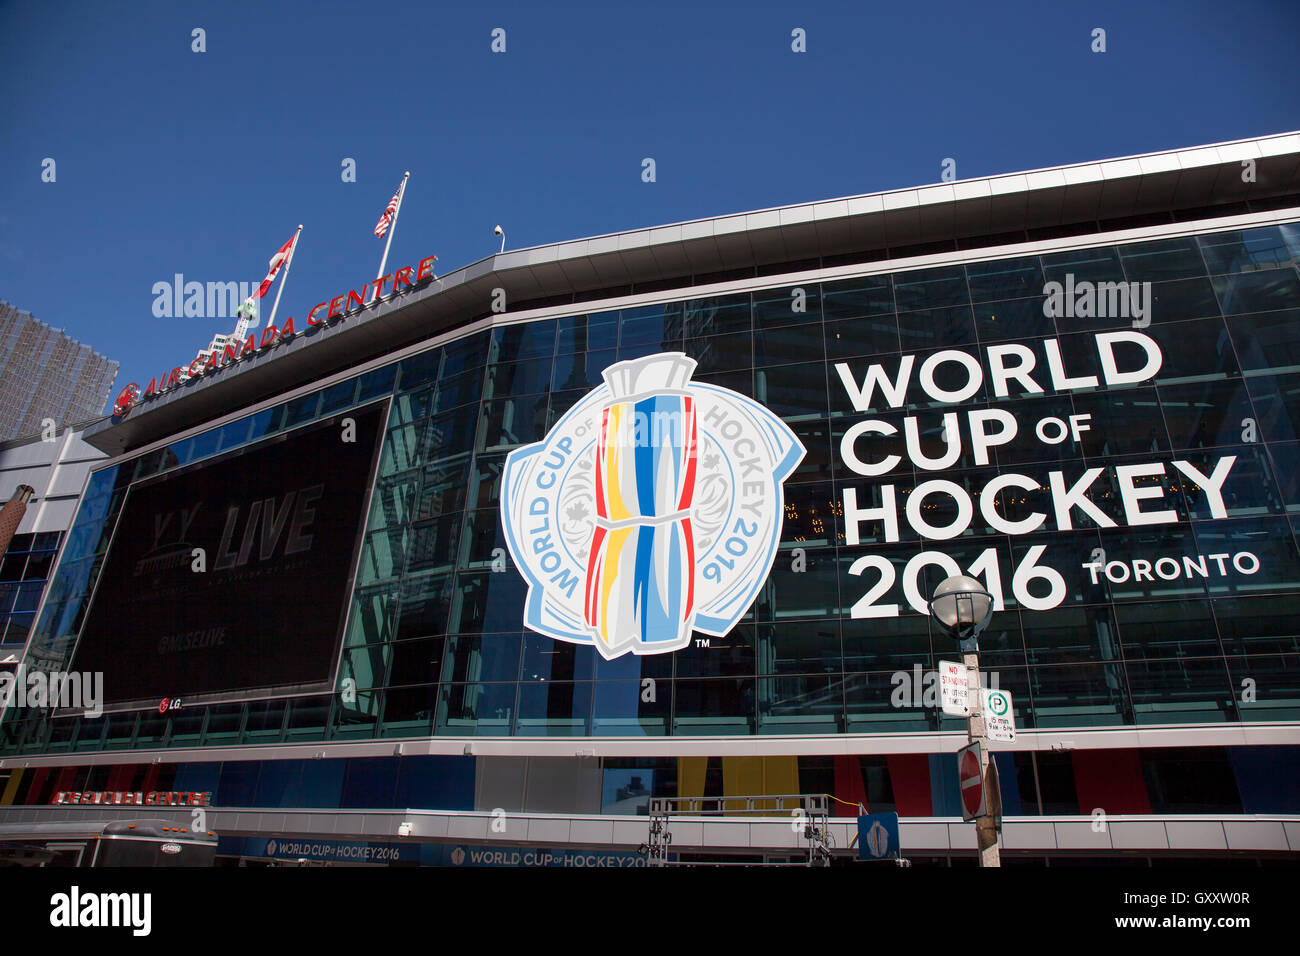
(274, 265)
(381, 227)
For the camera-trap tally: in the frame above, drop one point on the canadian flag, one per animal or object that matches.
(277, 260)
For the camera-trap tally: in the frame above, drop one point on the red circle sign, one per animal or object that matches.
(972, 789)
(126, 399)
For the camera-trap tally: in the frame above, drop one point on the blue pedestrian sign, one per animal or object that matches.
(878, 836)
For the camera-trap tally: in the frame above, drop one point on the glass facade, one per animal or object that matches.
(23, 573)
(1108, 617)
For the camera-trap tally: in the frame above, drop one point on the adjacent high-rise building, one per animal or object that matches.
(44, 373)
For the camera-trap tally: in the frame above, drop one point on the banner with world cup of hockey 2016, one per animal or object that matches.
(651, 509)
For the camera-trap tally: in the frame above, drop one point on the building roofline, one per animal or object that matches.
(1077, 199)
(1256, 147)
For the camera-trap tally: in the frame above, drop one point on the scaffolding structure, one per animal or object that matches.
(810, 816)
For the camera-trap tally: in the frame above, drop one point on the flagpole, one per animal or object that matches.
(284, 278)
(392, 228)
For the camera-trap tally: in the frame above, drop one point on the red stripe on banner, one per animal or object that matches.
(120, 777)
(34, 794)
(602, 507)
(1109, 780)
(594, 561)
(66, 779)
(689, 534)
(849, 786)
(688, 485)
(909, 775)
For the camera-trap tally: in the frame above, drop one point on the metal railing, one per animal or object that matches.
(811, 820)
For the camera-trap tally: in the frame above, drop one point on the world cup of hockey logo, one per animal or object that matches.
(652, 509)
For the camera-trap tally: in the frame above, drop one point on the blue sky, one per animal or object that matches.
(173, 161)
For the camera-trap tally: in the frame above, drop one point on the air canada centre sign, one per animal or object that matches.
(326, 313)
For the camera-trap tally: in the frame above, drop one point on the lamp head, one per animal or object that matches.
(962, 606)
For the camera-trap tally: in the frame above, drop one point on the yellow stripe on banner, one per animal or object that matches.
(741, 776)
(613, 465)
(609, 573)
(781, 775)
(757, 776)
(11, 789)
(691, 774)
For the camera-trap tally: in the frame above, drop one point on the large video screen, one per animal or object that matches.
(229, 579)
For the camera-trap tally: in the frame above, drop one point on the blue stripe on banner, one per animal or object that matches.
(646, 453)
(673, 448)
(645, 540)
(1011, 805)
(945, 789)
(676, 593)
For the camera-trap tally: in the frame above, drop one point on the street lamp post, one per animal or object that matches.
(962, 608)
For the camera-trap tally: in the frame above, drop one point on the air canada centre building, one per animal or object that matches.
(469, 574)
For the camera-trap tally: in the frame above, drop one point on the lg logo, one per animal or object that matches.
(168, 704)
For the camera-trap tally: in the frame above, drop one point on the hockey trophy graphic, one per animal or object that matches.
(653, 508)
